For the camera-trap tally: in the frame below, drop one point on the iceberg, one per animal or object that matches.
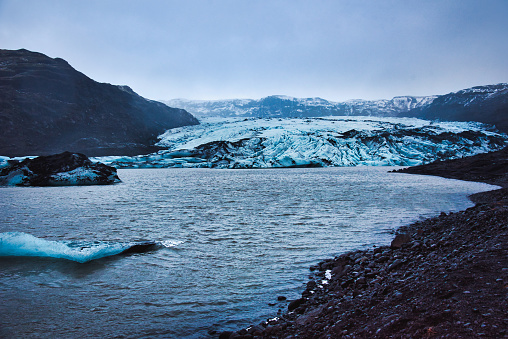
(64, 169)
(19, 244)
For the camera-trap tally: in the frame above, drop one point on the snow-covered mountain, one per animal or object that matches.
(487, 104)
(327, 141)
(289, 107)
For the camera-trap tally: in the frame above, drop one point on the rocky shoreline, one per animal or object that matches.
(63, 169)
(444, 277)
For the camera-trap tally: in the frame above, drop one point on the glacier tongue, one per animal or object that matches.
(327, 141)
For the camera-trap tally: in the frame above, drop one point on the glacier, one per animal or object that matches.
(314, 142)
(289, 107)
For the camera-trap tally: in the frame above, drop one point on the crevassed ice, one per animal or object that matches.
(326, 141)
(76, 176)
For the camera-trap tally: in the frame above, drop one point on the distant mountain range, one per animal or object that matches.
(487, 104)
(288, 107)
(46, 107)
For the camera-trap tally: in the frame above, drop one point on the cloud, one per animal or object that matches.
(222, 49)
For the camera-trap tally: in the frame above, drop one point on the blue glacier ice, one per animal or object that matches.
(319, 142)
(20, 244)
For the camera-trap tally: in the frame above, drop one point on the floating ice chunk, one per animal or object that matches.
(171, 243)
(19, 244)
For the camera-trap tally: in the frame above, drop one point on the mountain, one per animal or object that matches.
(46, 107)
(315, 142)
(289, 107)
(487, 104)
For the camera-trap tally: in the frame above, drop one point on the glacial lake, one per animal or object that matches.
(232, 242)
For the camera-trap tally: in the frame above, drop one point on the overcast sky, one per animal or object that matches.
(218, 49)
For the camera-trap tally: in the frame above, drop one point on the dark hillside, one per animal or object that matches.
(487, 104)
(491, 168)
(46, 106)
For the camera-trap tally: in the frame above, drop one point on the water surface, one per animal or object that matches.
(234, 241)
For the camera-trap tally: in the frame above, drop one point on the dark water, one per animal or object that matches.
(233, 241)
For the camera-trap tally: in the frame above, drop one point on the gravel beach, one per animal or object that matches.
(445, 277)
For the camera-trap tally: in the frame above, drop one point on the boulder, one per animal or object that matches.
(399, 240)
(63, 169)
(295, 304)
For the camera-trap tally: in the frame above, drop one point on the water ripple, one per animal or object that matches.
(233, 241)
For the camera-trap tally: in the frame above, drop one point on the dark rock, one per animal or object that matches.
(371, 274)
(281, 298)
(326, 265)
(225, 335)
(311, 285)
(58, 170)
(295, 304)
(361, 280)
(300, 309)
(382, 259)
(256, 330)
(140, 248)
(399, 240)
(347, 283)
(338, 271)
(395, 264)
